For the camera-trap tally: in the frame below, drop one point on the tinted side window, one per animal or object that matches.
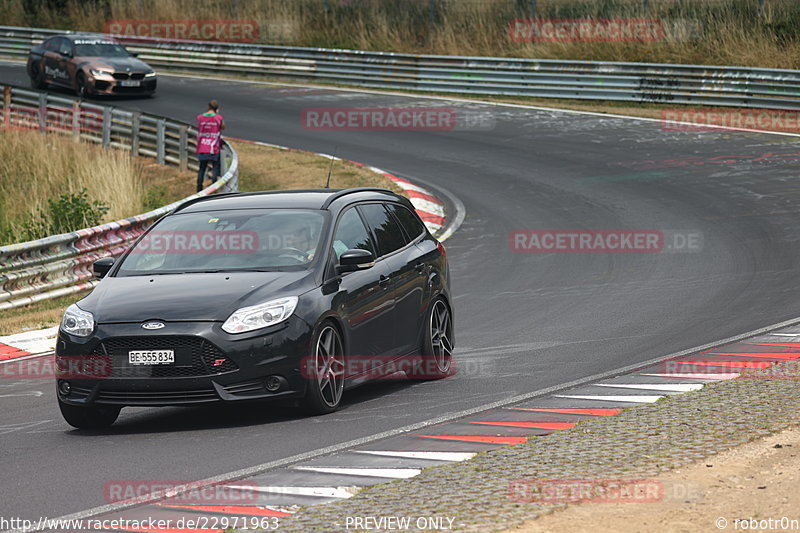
(386, 229)
(64, 46)
(410, 222)
(51, 44)
(351, 233)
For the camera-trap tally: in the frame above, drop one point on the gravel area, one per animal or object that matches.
(639, 443)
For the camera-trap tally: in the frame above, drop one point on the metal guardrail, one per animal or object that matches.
(62, 264)
(597, 80)
(166, 140)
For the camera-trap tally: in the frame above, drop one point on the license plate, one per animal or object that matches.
(130, 83)
(151, 357)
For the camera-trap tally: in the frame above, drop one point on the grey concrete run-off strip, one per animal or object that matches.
(637, 444)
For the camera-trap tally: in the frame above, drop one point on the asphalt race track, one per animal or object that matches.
(524, 321)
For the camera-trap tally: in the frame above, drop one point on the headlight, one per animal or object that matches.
(150, 75)
(260, 316)
(97, 72)
(77, 322)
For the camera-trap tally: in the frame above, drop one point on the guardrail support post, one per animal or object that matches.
(76, 120)
(107, 126)
(431, 17)
(223, 160)
(160, 141)
(183, 148)
(43, 112)
(136, 122)
(7, 106)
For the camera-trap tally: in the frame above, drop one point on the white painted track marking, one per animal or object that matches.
(631, 399)
(433, 456)
(389, 473)
(671, 387)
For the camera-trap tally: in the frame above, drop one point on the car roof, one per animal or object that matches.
(289, 199)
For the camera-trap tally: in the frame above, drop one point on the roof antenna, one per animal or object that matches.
(333, 158)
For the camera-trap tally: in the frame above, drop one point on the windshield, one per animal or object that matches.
(100, 49)
(212, 241)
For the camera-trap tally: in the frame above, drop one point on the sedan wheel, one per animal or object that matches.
(325, 372)
(37, 77)
(82, 90)
(438, 341)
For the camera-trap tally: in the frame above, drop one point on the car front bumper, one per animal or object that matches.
(210, 365)
(107, 85)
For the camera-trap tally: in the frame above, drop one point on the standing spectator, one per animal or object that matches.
(209, 139)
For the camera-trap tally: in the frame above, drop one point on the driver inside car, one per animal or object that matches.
(298, 237)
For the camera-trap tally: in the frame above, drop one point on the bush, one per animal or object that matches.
(66, 213)
(155, 197)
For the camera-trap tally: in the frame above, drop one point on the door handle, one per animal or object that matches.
(384, 281)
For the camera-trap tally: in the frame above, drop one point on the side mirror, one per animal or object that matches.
(102, 266)
(355, 259)
(134, 54)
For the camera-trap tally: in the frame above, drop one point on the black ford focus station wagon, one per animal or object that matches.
(295, 294)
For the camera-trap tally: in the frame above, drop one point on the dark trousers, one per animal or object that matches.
(204, 160)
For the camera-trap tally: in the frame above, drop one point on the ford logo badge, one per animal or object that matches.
(153, 325)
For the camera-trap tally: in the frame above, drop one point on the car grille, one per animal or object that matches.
(199, 357)
(181, 397)
(246, 388)
(129, 75)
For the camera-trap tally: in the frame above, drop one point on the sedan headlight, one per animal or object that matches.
(150, 74)
(77, 322)
(260, 316)
(98, 72)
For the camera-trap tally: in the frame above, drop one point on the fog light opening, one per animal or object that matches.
(274, 383)
(64, 387)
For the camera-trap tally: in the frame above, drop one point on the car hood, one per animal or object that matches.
(189, 297)
(117, 64)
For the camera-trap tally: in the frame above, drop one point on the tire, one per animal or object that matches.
(437, 344)
(324, 371)
(37, 77)
(88, 417)
(81, 89)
